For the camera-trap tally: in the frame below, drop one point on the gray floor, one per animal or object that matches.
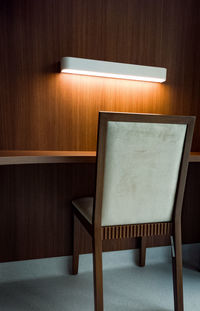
(126, 286)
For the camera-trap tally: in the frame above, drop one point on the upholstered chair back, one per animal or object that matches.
(141, 170)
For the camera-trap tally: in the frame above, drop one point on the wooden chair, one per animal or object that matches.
(141, 171)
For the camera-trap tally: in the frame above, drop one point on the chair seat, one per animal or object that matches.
(85, 207)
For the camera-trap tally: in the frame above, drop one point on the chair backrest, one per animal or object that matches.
(141, 167)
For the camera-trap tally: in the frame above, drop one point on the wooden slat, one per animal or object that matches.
(138, 230)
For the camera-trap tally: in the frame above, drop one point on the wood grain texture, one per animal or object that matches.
(36, 212)
(42, 109)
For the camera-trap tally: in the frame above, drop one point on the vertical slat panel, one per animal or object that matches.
(138, 230)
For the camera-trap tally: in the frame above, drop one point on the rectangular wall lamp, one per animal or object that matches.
(90, 67)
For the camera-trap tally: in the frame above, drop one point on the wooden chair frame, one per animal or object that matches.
(100, 233)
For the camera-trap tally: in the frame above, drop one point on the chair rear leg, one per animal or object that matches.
(76, 244)
(177, 272)
(142, 258)
(97, 270)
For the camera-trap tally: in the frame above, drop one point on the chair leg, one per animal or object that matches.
(142, 251)
(76, 244)
(177, 272)
(97, 270)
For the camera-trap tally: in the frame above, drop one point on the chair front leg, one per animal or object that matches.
(142, 258)
(177, 272)
(97, 270)
(76, 244)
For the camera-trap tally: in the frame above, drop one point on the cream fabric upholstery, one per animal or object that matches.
(85, 207)
(141, 170)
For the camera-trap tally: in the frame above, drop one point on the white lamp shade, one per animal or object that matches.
(90, 67)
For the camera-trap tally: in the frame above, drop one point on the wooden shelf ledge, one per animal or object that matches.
(194, 157)
(8, 157)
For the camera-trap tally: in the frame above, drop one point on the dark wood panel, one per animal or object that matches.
(35, 210)
(42, 109)
(191, 206)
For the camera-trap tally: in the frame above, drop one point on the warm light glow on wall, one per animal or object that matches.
(97, 93)
(99, 68)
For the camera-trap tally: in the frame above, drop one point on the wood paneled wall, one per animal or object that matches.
(36, 213)
(43, 109)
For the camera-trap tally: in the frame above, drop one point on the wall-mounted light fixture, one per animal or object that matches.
(90, 67)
